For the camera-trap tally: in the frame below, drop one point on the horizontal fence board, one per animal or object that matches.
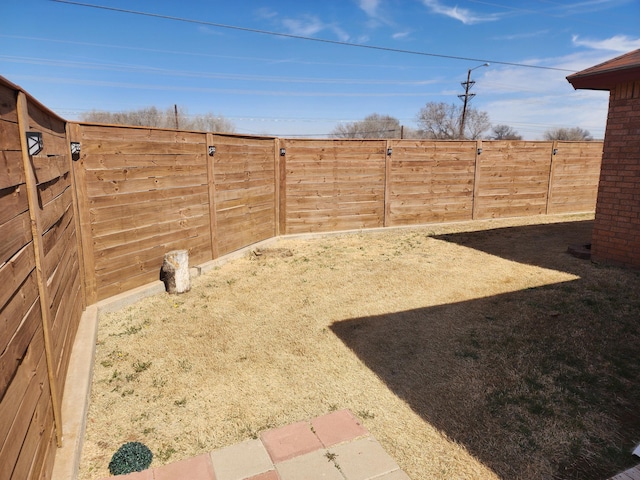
(145, 172)
(68, 329)
(147, 216)
(153, 252)
(10, 136)
(58, 253)
(8, 103)
(99, 187)
(151, 261)
(15, 308)
(53, 211)
(13, 202)
(19, 400)
(17, 231)
(96, 162)
(48, 168)
(11, 170)
(178, 228)
(107, 255)
(46, 451)
(98, 133)
(106, 147)
(260, 199)
(433, 214)
(115, 219)
(14, 272)
(12, 355)
(53, 237)
(511, 211)
(63, 304)
(123, 200)
(52, 189)
(61, 275)
(42, 120)
(41, 422)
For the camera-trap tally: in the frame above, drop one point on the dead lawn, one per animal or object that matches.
(469, 350)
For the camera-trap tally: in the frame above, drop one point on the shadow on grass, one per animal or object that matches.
(539, 383)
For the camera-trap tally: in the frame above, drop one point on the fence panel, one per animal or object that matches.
(27, 428)
(512, 179)
(244, 177)
(574, 177)
(142, 193)
(430, 181)
(334, 185)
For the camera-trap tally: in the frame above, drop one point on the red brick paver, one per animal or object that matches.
(270, 475)
(290, 441)
(338, 427)
(196, 468)
(335, 446)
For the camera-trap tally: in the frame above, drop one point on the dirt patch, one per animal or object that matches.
(471, 350)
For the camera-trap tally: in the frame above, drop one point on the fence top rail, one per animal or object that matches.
(30, 99)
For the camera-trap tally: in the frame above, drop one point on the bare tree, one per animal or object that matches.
(504, 132)
(575, 133)
(373, 126)
(169, 118)
(439, 120)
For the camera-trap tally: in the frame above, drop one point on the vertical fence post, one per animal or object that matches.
(69, 128)
(276, 180)
(387, 183)
(476, 182)
(554, 149)
(36, 226)
(282, 179)
(211, 183)
(79, 181)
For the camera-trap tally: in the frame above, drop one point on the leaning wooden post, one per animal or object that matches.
(43, 291)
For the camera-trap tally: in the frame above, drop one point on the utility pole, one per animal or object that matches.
(175, 112)
(466, 96)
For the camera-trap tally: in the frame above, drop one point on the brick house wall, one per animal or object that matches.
(616, 231)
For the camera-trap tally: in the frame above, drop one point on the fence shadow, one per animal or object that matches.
(539, 245)
(527, 381)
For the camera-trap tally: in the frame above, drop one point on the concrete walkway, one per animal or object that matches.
(332, 447)
(631, 474)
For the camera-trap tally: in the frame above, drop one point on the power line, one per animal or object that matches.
(302, 37)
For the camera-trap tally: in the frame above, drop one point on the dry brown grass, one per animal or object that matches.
(468, 354)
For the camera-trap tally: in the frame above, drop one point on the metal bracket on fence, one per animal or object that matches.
(389, 151)
(555, 151)
(480, 151)
(283, 152)
(212, 150)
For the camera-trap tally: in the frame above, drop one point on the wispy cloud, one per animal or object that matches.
(618, 43)
(586, 6)
(464, 15)
(370, 7)
(518, 36)
(399, 35)
(311, 25)
(533, 100)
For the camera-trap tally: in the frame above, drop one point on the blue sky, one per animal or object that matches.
(76, 58)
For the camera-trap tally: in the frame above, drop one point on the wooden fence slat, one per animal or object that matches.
(36, 225)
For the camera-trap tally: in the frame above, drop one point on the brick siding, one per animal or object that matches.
(616, 232)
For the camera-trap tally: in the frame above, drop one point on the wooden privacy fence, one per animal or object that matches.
(144, 191)
(40, 284)
(92, 214)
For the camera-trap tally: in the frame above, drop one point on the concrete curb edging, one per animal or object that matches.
(75, 400)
